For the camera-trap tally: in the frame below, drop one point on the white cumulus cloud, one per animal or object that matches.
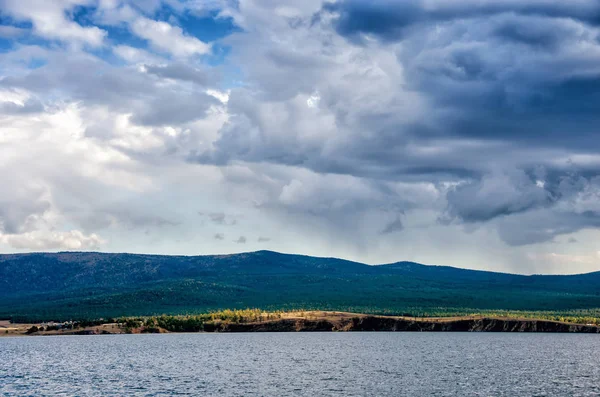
(37, 240)
(168, 38)
(49, 20)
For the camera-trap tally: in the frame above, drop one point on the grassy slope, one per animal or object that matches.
(92, 285)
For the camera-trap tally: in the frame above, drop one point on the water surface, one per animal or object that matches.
(302, 364)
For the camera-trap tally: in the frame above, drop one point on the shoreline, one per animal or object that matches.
(327, 322)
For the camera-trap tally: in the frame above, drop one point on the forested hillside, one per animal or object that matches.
(91, 285)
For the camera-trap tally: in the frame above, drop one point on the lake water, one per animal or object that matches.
(302, 364)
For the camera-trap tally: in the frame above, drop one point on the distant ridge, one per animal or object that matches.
(92, 284)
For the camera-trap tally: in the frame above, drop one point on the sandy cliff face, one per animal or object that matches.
(373, 323)
(317, 321)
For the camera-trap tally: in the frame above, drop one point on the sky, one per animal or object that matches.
(454, 132)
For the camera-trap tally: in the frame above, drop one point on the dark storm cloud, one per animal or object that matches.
(499, 69)
(385, 19)
(496, 195)
(538, 227)
(525, 210)
(482, 94)
(534, 35)
(515, 73)
(389, 19)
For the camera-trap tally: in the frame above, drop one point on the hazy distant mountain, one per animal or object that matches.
(68, 285)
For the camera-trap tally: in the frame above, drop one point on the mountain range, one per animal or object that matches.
(75, 285)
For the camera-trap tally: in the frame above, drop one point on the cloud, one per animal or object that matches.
(480, 95)
(44, 194)
(338, 124)
(496, 195)
(29, 106)
(219, 236)
(135, 55)
(145, 98)
(543, 226)
(121, 215)
(16, 216)
(217, 217)
(478, 90)
(221, 218)
(382, 18)
(168, 38)
(72, 240)
(393, 227)
(23, 203)
(241, 240)
(567, 260)
(49, 20)
(180, 71)
(147, 6)
(11, 32)
(576, 209)
(452, 106)
(526, 212)
(391, 20)
(263, 239)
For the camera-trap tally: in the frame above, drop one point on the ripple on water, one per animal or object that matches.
(297, 364)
